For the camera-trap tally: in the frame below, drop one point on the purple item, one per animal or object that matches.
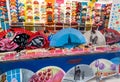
(96, 63)
(101, 66)
(113, 67)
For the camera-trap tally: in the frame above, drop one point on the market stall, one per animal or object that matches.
(59, 41)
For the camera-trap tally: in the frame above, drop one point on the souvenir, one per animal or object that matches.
(49, 12)
(68, 13)
(36, 11)
(3, 15)
(38, 40)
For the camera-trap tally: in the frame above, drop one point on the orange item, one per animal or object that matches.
(52, 1)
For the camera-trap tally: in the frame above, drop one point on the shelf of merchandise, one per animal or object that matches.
(43, 26)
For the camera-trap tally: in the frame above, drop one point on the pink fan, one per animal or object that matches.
(57, 78)
(112, 36)
(7, 44)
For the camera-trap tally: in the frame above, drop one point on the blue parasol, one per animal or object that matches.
(68, 37)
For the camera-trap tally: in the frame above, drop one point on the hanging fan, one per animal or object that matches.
(38, 40)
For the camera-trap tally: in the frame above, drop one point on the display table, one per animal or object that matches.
(61, 66)
(64, 62)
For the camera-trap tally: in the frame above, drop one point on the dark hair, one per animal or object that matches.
(46, 31)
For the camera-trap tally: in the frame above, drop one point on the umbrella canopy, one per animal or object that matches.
(112, 36)
(100, 38)
(68, 37)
